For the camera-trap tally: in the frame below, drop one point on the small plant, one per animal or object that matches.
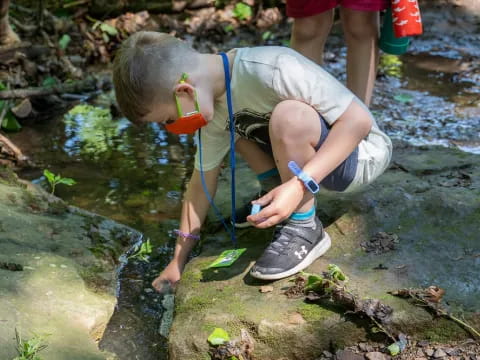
(242, 11)
(29, 349)
(53, 180)
(141, 252)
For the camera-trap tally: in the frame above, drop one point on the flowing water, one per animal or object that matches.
(136, 176)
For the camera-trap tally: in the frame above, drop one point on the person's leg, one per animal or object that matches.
(258, 160)
(309, 34)
(7, 35)
(263, 166)
(361, 36)
(295, 131)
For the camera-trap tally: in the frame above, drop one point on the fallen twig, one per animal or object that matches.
(431, 297)
(332, 285)
(88, 84)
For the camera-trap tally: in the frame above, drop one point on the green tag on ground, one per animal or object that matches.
(227, 258)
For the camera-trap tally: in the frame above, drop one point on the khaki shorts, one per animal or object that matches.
(374, 155)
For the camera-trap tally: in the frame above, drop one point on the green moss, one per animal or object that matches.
(7, 176)
(314, 312)
(442, 331)
(208, 328)
(193, 304)
(192, 277)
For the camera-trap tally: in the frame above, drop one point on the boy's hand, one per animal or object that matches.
(282, 202)
(168, 278)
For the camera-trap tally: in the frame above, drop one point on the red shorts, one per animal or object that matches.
(304, 8)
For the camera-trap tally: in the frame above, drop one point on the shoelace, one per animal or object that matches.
(281, 243)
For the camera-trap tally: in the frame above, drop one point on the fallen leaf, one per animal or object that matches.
(434, 294)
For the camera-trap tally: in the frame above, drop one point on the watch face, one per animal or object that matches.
(312, 186)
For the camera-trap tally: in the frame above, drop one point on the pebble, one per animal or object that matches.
(375, 355)
(365, 347)
(420, 352)
(439, 353)
(327, 354)
(422, 343)
(63, 266)
(148, 290)
(451, 352)
(429, 352)
(348, 355)
(53, 265)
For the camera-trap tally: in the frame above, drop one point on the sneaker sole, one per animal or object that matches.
(316, 252)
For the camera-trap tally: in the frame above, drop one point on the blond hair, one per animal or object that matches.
(145, 70)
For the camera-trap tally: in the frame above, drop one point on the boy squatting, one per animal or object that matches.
(286, 108)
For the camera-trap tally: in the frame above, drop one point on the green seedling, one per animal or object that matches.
(29, 349)
(242, 11)
(336, 273)
(107, 30)
(54, 180)
(142, 252)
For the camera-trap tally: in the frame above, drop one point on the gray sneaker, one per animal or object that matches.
(292, 249)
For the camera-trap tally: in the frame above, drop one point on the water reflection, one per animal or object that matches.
(135, 176)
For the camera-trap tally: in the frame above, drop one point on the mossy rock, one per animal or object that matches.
(429, 198)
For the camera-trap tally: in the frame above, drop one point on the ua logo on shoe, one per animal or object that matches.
(303, 252)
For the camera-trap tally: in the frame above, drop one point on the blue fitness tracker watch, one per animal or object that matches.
(309, 183)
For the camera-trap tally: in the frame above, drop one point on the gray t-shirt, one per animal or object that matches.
(261, 78)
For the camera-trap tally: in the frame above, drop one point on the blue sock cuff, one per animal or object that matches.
(267, 174)
(303, 215)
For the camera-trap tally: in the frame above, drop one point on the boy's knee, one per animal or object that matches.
(293, 119)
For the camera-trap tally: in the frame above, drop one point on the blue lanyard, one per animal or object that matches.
(230, 229)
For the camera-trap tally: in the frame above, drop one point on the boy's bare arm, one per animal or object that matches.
(346, 133)
(194, 210)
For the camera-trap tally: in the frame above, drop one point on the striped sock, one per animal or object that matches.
(269, 179)
(304, 219)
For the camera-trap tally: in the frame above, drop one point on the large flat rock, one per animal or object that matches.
(429, 198)
(65, 293)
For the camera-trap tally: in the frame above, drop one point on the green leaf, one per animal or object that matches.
(49, 81)
(242, 11)
(109, 29)
(218, 337)
(67, 181)
(10, 123)
(97, 24)
(336, 273)
(403, 98)
(64, 41)
(313, 281)
(228, 28)
(394, 349)
(49, 175)
(105, 37)
(266, 35)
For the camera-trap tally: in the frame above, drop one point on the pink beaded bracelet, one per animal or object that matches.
(186, 235)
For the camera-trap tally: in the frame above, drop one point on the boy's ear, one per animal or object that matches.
(183, 88)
